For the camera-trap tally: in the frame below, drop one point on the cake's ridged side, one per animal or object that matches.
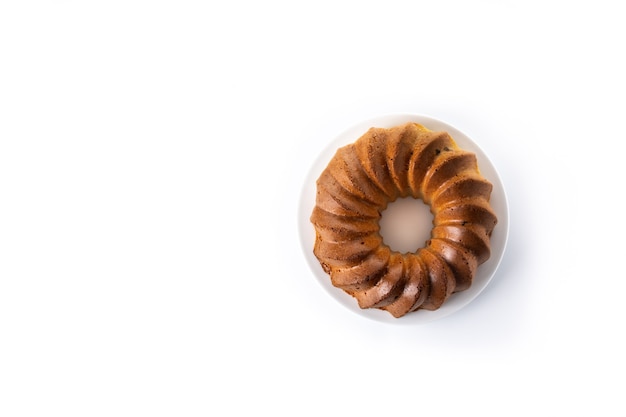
(474, 238)
(469, 185)
(416, 287)
(468, 211)
(349, 173)
(348, 252)
(448, 165)
(370, 151)
(441, 279)
(357, 185)
(334, 205)
(335, 228)
(363, 275)
(400, 146)
(327, 185)
(426, 151)
(388, 287)
(462, 263)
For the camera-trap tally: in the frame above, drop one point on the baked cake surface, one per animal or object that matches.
(355, 188)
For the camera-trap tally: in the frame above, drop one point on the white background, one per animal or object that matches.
(151, 159)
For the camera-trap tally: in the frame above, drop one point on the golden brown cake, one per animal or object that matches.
(356, 187)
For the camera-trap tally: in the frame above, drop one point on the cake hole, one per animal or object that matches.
(406, 225)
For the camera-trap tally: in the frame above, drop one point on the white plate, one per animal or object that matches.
(498, 200)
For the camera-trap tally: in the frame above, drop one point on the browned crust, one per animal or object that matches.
(358, 184)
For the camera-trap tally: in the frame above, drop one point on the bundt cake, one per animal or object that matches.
(355, 188)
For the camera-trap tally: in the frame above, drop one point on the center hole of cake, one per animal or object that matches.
(406, 224)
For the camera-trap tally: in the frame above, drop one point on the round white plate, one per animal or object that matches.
(498, 200)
